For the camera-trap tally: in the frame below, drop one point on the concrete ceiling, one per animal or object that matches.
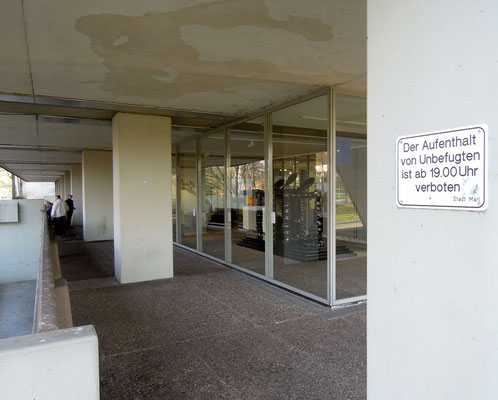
(38, 148)
(202, 62)
(222, 56)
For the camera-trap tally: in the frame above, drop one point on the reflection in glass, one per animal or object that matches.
(299, 138)
(173, 192)
(186, 172)
(247, 197)
(299, 173)
(212, 158)
(351, 197)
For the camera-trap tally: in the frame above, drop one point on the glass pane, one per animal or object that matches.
(173, 192)
(299, 137)
(247, 196)
(186, 171)
(212, 157)
(351, 197)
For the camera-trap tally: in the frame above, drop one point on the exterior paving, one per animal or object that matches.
(214, 333)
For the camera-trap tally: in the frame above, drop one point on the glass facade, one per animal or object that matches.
(351, 197)
(186, 167)
(173, 192)
(246, 202)
(256, 196)
(299, 168)
(212, 195)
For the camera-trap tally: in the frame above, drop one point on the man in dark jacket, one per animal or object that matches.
(70, 206)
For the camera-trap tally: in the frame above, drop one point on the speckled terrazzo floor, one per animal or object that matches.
(214, 333)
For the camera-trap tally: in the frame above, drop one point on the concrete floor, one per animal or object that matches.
(214, 333)
(17, 308)
(84, 260)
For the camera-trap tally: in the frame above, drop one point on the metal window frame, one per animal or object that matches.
(198, 214)
(227, 202)
(178, 200)
(334, 300)
(331, 213)
(268, 210)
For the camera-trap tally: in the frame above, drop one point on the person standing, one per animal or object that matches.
(70, 206)
(59, 216)
(47, 208)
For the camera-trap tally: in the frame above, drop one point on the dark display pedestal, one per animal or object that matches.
(297, 251)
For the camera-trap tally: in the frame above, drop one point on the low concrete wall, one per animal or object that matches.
(52, 304)
(62, 364)
(20, 243)
(45, 318)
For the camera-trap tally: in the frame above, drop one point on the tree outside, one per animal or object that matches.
(5, 185)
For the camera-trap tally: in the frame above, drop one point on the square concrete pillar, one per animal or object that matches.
(67, 184)
(77, 192)
(60, 189)
(97, 195)
(432, 273)
(143, 245)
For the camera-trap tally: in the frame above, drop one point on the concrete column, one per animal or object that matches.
(143, 245)
(77, 192)
(432, 274)
(97, 195)
(67, 184)
(61, 187)
(56, 187)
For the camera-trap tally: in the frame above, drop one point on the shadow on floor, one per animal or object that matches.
(212, 333)
(85, 260)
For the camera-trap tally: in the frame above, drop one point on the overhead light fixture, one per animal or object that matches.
(351, 122)
(317, 118)
(339, 121)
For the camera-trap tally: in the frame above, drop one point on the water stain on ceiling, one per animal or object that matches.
(224, 47)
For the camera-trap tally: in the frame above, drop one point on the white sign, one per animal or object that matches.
(445, 169)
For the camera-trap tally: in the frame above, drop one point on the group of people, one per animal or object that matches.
(60, 214)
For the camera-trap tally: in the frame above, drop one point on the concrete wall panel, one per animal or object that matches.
(20, 243)
(432, 274)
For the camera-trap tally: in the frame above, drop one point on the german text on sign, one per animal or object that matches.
(444, 169)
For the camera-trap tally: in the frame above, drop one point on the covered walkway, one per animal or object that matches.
(212, 333)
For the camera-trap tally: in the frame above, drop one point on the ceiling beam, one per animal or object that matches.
(61, 107)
